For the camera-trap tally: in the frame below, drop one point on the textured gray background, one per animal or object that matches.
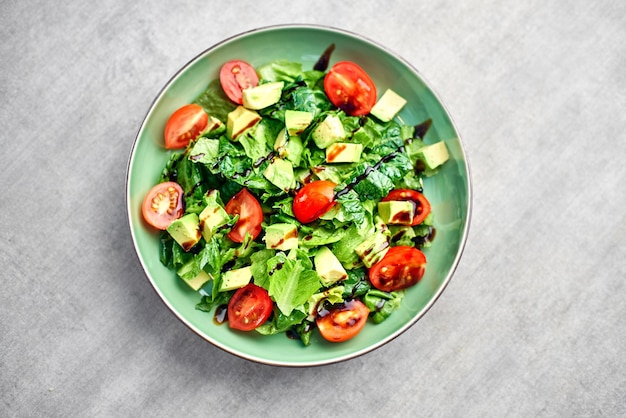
(532, 324)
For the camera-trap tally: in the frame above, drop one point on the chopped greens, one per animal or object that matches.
(273, 166)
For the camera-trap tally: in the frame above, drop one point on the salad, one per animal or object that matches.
(292, 201)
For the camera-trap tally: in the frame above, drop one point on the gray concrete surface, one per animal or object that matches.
(532, 324)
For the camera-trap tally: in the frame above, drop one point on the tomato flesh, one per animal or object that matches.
(314, 200)
(250, 214)
(235, 76)
(163, 204)
(184, 125)
(350, 88)
(421, 205)
(249, 307)
(401, 267)
(342, 322)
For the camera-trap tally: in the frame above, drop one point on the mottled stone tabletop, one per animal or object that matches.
(532, 323)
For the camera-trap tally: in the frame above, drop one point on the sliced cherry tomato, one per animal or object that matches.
(400, 268)
(184, 125)
(163, 204)
(313, 200)
(235, 76)
(249, 307)
(342, 322)
(421, 205)
(350, 88)
(250, 214)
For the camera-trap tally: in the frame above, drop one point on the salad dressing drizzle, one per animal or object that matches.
(221, 314)
(422, 128)
(322, 62)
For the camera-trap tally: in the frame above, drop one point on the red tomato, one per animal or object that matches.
(350, 88)
(250, 214)
(421, 205)
(235, 76)
(314, 200)
(400, 268)
(343, 322)
(249, 307)
(184, 125)
(163, 204)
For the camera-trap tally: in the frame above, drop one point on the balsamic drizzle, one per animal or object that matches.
(322, 62)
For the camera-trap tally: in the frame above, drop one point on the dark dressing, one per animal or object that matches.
(366, 173)
(422, 128)
(261, 160)
(420, 241)
(322, 62)
(221, 314)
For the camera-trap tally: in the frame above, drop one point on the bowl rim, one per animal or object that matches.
(364, 350)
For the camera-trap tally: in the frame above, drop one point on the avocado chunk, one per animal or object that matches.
(213, 216)
(280, 173)
(402, 234)
(234, 279)
(263, 95)
(281, 236)
(328, 267)
(343, 152)
(194, 281)
(297, 121)
(240, 120)
(432, 156)
(186, 231)
(396, 212)
(289, 147)
(388, 106)
(329, 131)
(376, 245)
(213, 124)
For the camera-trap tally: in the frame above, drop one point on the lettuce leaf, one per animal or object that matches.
(215, 102)
(290, 283)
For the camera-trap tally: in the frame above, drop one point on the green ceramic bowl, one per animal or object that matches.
(449, 192)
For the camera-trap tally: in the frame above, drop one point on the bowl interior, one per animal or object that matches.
(448, 192)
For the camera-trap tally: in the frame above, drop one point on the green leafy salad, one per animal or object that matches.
(293, 199)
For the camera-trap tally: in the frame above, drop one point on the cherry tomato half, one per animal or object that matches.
(235, 76)
(250, 214)
(421, 205)
(313, 200)
(184, 125)
(163, 204)
(343, 322)
(249, 307)
(350, 88)
(400, 268)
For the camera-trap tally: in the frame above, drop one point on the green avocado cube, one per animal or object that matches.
(195, 281)
(212, 217)
(402, 234)
(186, 231)
(281, 236)
(388, 106)
(262, 96)
(280, 173)
(343, 152)
(240, 120)
(328, 267)
(433, 155)
(375, 246)
(329, 131)
(289, 147)
(297, 121)
(396, 212)
(234, 279)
